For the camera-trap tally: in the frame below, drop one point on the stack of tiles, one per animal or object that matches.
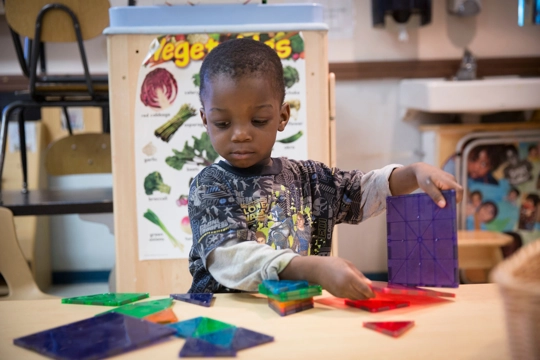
(287, 297)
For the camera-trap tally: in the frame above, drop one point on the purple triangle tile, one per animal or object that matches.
(244, 339)
(195, 347)
(197, 299)
(422, 241)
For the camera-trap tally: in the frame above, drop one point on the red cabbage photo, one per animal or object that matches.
(159, 89)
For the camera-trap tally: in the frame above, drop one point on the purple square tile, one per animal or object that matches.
(203, 299)
(422, 241)
(195, 347)
(95, 338)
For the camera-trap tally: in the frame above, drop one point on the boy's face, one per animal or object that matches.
(242, 118)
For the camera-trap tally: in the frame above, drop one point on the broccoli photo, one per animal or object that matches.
(290, 75)
(196, 80)
(154, 182)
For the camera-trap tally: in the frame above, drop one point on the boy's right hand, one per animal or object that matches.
(342, 279)
(338, 276)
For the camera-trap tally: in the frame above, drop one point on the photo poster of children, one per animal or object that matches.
(503, 189)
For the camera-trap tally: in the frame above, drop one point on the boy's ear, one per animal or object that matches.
(203, 117)
(285, 114)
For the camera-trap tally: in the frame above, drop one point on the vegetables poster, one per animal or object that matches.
(171, 144)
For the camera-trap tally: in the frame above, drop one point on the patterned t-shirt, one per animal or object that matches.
(288, 205)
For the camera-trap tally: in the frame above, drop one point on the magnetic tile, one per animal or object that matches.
(197, 299)
(208, 325)
(95, 338)
(391, 328)
(422, 240)
(142, 309)
(245, 338)
(166, 316)
(374, 305)
(186, 328)
(279, 286)
(290, 304)
(385, 288)
(299, 294)
(195, 347)
(106, 299)
(222, 338)
(290, 310)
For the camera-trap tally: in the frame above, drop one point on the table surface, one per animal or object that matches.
(469, 326)
(482, 238)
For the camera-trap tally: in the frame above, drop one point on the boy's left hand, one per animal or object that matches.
(432, 180)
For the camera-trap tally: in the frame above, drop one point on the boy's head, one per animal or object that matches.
(242, 92)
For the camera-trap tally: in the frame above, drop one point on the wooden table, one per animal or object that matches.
(481, 249)
(470, 326)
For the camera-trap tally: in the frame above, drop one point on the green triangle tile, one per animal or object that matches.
(106, 299)
(142, 309)
(208, 325)
(221, 338)
(186, 328)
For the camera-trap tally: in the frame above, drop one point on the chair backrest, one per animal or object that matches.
(93, 16)
(13, 265)
(79, 154)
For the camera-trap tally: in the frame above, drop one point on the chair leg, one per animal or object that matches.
(22, 143)
(105, 120)
(8, 110)
(68, 120)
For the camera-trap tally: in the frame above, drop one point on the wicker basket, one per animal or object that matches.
(518, 278)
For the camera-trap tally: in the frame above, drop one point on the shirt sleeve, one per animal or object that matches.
(361, 196)
(215, 217)
(244, 265)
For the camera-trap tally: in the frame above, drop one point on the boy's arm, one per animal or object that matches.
(430, 179)
(244, 265)
(338, 276)
(361, 196)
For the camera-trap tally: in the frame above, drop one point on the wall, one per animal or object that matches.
(370, 133)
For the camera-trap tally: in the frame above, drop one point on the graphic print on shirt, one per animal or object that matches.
(295, 209)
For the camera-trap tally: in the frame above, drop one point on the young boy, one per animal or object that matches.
(250, 213)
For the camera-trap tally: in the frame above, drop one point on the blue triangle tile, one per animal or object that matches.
(244, 338)
(195, 347)
(186, 328)
(198, 299)
(221, 338)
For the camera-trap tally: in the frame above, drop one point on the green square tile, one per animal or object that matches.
(106, 299)
(142, 309)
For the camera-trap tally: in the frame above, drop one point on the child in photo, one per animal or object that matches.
(272, 211)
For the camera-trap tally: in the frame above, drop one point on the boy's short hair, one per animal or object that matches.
(243, 57)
